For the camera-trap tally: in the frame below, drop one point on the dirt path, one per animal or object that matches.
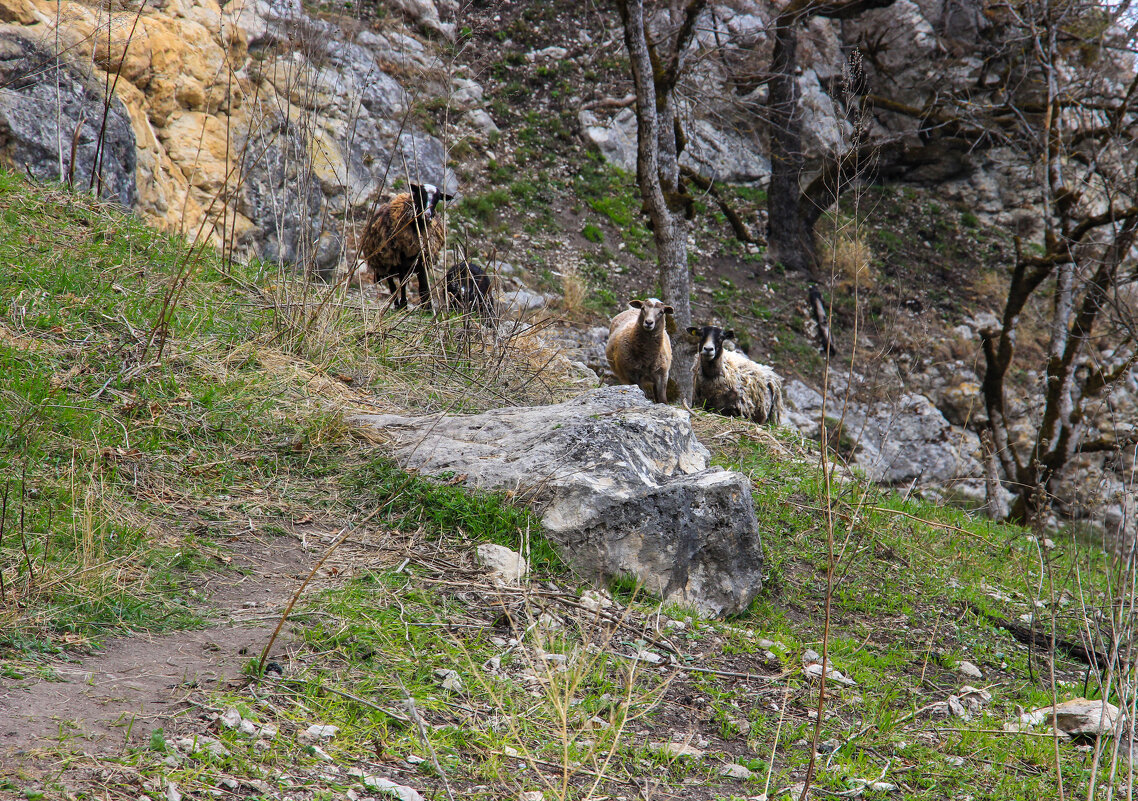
(102, 703)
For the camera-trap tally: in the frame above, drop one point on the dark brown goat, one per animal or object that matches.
(403, 237)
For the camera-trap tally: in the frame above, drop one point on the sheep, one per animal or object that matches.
(638, 348)
(468, 288)
(729, 383)
(403, 237)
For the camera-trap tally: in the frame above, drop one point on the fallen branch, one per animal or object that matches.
(1038, 639)
(609, 102)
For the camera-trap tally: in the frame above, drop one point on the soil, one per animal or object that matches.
(101, 703)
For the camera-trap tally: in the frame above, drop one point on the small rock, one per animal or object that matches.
(247, 727)
(595, 601)
(970, 670)
(531, 795)
(505, 566)
(319, 753)
(811, 656)
(522, 300)
(481, 119)
(172, 792)
(814, 671)
(596, 723)
(1079, 717)
(736, 771)
(552, 53)
(829, 746)
(677, 750)
(493, 664)
(228, 783)
(388, 787)
(208, 745)
(649, 657)
(230, 719)
(511, 752)
(267, 731)
(450, 680)
(318, 732)
(415, 760)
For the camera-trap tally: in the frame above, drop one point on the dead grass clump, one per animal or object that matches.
(574, 289)
(850, 259)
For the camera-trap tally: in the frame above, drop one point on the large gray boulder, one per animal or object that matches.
(46, 104)
(622, 484)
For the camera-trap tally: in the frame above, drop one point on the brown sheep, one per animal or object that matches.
(403, 237)
(638, 348)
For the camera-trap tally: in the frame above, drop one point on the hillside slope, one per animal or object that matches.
(171, 430)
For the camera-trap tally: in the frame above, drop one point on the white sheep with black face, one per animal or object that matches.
(729, 383)
(638, 348)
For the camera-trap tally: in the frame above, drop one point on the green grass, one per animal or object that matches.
(135, 488)
(125, 475)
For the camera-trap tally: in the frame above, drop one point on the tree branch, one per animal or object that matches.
(733, 218)
(667, 77)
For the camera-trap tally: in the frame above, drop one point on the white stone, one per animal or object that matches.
(736, 771)
(676, 750)
(390, 788)
(230, 719)
(318, 732)
(482, 120)
(505, 566)
(531, 795)
(595, 601)
(551, 53)
(1079, 717)
(970, 670)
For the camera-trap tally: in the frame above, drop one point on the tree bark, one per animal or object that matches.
(658, 170)
(790, 239)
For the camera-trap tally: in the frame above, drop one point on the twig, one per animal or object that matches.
(343, 535)
(344, 694)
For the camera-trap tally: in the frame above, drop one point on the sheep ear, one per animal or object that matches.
(729, 334)
(670, 325)
(636, 304)
(669, 310)
(447, 197)
(693, 330)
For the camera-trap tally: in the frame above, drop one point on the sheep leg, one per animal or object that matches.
(424, 287)
(660, 388)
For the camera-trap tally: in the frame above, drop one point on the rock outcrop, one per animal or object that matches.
(254, 123)
(623, 487)
(54, 123)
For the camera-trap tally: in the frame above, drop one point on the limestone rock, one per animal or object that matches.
(970, 670)
(897, 440)
(505, 566)
(391, 789)
(1079, 717)
(39, 120)
(622, 484)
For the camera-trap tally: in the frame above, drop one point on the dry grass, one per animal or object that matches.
(850, 259)
(574, 290)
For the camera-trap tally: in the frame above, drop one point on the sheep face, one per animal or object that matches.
(426, 197)
(652, 313)
(710, 340)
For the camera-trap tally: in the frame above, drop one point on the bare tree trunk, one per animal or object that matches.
(790, 239)
(658, 171)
